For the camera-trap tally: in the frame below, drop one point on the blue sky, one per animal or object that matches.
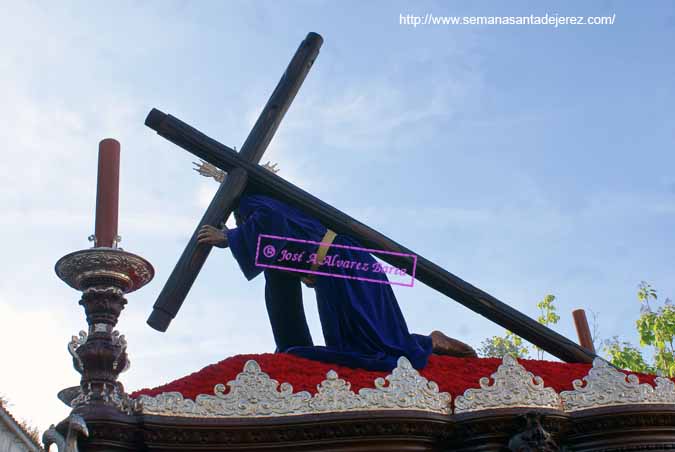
(525, 159)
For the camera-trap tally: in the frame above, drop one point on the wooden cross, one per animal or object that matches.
(243, 170)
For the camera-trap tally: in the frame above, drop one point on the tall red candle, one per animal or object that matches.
(583, 331)
(107, 192)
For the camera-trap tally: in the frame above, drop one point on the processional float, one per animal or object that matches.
(507, 408)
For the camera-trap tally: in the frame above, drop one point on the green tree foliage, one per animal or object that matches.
(547, 316)
(510, 344)
(626, 356)
(498, 347)
(656, 327)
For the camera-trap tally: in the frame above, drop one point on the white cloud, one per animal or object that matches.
(373, 114)
(36, 363)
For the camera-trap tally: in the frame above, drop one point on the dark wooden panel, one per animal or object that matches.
(627, 429)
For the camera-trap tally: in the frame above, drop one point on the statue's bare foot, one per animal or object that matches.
(444, 345)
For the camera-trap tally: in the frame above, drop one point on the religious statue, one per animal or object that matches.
(361, 321)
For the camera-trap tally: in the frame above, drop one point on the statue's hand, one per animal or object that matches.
(210, 235)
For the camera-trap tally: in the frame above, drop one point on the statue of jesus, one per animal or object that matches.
(362, 324)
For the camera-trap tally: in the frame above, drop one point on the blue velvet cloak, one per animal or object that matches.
(362, 323)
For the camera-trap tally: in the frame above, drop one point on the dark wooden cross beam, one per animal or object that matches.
(190, 263)
(243, 171)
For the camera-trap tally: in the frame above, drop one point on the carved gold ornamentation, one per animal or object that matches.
(513, 386)
(254, 393)
(606, 386)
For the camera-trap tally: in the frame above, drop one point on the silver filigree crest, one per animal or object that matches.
(335, 394)
(254, 393)
(513, 387)
(406, 389)
(606, 386)
(664, 392)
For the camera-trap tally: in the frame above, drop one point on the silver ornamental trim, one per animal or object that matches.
(128, 269)
(75, 343)
(407, 389)
(253, 393)
(120, 341)
(335, 394)
(606, 386)
(513, 387)
(111, 394)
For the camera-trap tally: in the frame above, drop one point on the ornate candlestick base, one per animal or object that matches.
(104, 275)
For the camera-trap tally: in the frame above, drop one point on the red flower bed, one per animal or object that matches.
(453, 375)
